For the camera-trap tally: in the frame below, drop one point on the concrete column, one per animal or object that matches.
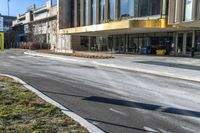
(126, 37)
(184, 43)
(179, 10)
(116, 9)
(164, 9)
(89, 43)
(89, 12)
(75, 13)
(193, 39)
(171, 12)
(114, 43)
(106, 10)
(176, 44)
(82, 12)
(97, 11)
(194, 10)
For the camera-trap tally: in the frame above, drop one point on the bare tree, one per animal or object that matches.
(54, 26)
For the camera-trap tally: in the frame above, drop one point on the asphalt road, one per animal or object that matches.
(117, 101)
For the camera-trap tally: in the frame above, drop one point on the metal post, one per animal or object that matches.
(8, 8)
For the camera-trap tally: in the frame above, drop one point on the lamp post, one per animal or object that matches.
(8, 7)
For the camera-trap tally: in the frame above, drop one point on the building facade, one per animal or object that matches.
(37, 25)
(5, 28)
(130, 26)
(186, 14)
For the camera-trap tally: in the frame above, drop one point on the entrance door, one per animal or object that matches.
(132, 44)
(180, 43)
(189, 43)
(121, 43)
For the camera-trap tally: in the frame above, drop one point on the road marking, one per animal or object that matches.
(118, 112)
(12, 57)
(163, 131)
(189, 129)
(150, 130)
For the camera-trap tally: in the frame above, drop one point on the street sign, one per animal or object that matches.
(1, 24)
(1, 41)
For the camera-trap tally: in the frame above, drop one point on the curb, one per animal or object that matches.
(90, 127)
(163, 74)
(56, 57)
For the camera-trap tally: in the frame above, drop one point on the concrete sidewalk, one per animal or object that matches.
(173, 67)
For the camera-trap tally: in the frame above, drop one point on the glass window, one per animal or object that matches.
(93, 11)
(78, 12)
(139, 8)
(198, 10)
(154, 7)
(86, 12)
(124, 8)
(188, 10)
(143, 8)
(149, 7)
(197, 42)
(102, 11)
(111, 10)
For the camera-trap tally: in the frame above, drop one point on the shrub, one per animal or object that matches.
(34, 45)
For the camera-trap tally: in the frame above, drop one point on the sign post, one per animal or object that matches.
(1, 41)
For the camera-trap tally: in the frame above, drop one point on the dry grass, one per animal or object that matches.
(93, 55)
(21, 111)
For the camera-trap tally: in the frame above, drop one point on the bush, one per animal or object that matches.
(34, 45)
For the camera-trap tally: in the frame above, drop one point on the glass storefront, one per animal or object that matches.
(197, 42)
(180, 43)
(134, 43)
(137, 43)
(189, 43)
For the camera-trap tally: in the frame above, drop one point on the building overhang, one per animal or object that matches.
(44, 19)
(41, 10)
(121, 27)
(190, 24)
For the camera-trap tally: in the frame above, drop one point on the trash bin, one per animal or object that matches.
(161, 52)
(145, 50)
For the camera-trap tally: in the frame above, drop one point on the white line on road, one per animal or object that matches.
(150, 130)
(118, 112)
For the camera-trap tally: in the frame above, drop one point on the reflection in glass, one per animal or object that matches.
(86, 12)
(111, 10)
(102, 10)
(188, 10)
(139, 8)
(93, 11)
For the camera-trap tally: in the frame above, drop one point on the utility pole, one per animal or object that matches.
(8, 7)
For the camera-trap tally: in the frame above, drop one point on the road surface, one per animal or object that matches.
(117, 101)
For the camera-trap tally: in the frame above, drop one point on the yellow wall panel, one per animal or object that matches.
(1, 41)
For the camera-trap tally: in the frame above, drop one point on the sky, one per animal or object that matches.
(19, 6)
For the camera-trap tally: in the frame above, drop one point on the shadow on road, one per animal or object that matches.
(132, 104)
(118, 125)
(175, 65)
(145, 106)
